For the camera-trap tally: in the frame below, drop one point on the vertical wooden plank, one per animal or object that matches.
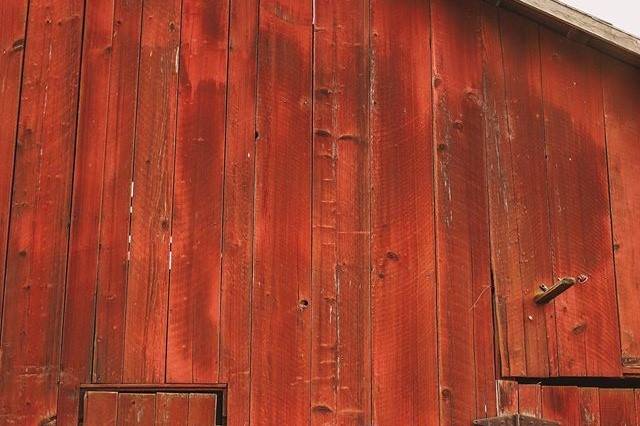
(622, 108)
(618, 407)
(100, 409)
(82, 268)
(202, 409)
(13, 17)
(108, 354)
(505, 251)
(194, 299)
(239, 192)
(503, 225)
(562, 404)
(38, 232)
(507, 397)
(521, 252)
(404, 349)
(281, 338)
(586, 316)
(340, 373)
(325, 326)
(172, 409)
(353, 225)
(136, 409)
(480, 254)
(147, 291)
(530, 400)
(465, 329)
(589, 407)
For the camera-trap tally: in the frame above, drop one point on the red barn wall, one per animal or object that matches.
(314, 205)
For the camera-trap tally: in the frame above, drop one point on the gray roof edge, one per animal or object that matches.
(584, 22)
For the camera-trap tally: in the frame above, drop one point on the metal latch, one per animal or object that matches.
(515, 420)
(547, 294)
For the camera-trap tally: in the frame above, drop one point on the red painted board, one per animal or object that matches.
(530, 400)
(618, 407)
(100, 409)
(281, 295)
(403, 282)
(589, 406)
(13, 20)
(172, 409)
(148, 279)
(202, 409)
(136, 409)
(465, 336)
(520, 242)
(621, 87)
(113, 255)
(507, 397)
(340, 366)
(562, 404)
(194, 299)
(82, 268)
(237, 240)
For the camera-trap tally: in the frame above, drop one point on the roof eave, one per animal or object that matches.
(580, 26)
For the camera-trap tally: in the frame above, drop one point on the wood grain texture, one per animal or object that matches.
(507, 397)
(202, 409)
(340, 384)
(113, 255)
(13, 20)
(479, 244)
(520, 242)
(280, 389)
(136, 409)
(354, 210)
(621, 88)
(465, 330)
(126, 408)
(504, 232)
(194, 299)
(38, 232)
(618, 407)
(562, 404)
(237, 244)
(403, 292)
(148, 280)
(305, 201)
(589, 406)
(530, 400)
(100, 409)
(586, 316)
(172, 409)
(82, 268)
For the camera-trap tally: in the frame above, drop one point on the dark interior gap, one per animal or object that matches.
(581, 382)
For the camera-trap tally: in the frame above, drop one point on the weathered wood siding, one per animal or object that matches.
(338, 209)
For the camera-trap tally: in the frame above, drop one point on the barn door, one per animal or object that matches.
(128, 408)
(551, 151)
